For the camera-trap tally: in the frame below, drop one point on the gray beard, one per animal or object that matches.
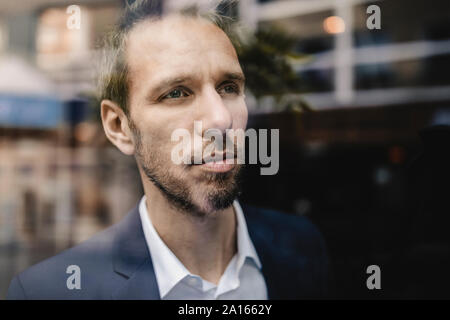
(180, 198)
(224, 189)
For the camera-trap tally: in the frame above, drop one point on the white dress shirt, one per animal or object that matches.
(242, 278)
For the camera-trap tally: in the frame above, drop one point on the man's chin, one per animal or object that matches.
(210, 208)
(214, 200)
(198, 192)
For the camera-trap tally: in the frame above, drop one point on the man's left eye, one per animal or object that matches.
(229, 89)
(176, 94)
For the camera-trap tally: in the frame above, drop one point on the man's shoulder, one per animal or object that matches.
(284, 229)
(274, 219)
(48, 278)
(293, 244)
(278, 217)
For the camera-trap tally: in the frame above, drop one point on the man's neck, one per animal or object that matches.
(205, 245)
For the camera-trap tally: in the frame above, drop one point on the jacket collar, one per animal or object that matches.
(131, 257)
(288, 273)
(131, 260)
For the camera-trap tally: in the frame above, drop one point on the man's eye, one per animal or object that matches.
(176, 94)
(229, 89)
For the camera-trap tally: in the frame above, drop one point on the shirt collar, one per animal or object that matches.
(244, 243)
(168, 268)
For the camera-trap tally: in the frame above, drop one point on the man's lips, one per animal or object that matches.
(217, 166)
(218, 163)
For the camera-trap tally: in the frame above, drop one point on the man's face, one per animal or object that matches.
(184, 70)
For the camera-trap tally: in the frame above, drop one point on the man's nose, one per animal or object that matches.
(215, 114)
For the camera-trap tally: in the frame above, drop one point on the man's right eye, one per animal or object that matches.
(176, 94)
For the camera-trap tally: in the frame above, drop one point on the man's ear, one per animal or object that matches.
(115, 124)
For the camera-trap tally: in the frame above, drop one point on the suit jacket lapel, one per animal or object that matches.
(264, 249)
(286, 271)
(133, 262)
(287, 274)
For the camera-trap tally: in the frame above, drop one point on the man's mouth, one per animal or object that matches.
(217, 166)
(219, 163)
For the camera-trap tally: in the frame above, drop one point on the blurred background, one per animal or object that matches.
(364, 118)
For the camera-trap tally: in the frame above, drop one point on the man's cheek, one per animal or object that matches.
(240, 121)
(157, 136)
(241, 116)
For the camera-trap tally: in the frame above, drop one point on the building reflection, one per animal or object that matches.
(349, 134)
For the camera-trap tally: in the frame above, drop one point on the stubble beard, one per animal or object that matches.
(222, 188)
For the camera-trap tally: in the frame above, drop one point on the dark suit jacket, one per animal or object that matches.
(116, 264)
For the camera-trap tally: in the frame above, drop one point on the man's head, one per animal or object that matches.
(168, 72)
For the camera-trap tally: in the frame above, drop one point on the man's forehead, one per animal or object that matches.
(179, 46)
(176, 35)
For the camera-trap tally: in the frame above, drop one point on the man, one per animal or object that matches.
(188, 238)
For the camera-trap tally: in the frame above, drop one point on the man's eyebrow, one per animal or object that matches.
(234, 76)
(167, 83)
(170, 82)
